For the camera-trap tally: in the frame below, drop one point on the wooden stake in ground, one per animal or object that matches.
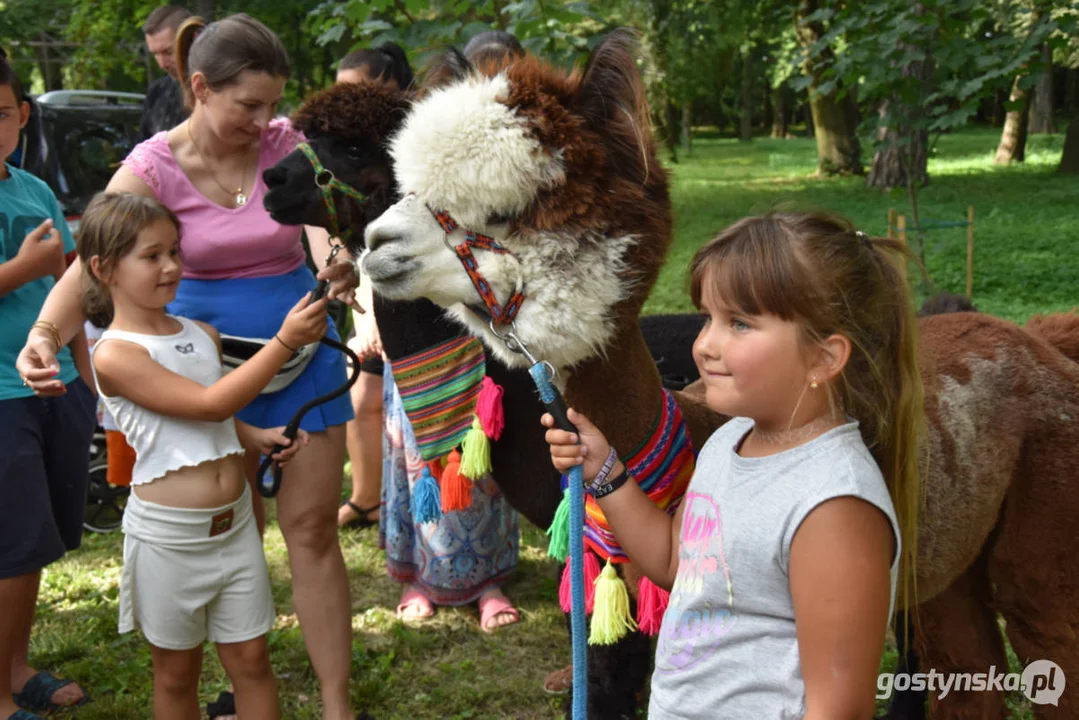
(970, 252)
(891, 222)
(901, 226)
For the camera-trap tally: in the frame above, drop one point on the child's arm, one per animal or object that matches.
(647, 534)
(839, 580)
(264, 440)
(80, 353)
(126, 369)
(40, 255)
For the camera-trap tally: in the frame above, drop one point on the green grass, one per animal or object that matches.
(1025, 262)
(1026, 219)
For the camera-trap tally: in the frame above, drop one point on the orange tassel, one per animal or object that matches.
(456, 488)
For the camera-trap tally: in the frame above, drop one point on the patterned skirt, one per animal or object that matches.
(453, 561)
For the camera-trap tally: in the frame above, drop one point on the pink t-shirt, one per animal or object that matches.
(219, 242)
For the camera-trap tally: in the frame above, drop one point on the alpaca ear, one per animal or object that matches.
(452, 66)
(611, 98)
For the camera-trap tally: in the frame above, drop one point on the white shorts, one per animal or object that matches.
(192, 575)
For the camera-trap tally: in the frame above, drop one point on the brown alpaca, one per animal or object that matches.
(561, 171)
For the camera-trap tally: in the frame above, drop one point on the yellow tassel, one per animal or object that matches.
(611, 618)
(476, 452)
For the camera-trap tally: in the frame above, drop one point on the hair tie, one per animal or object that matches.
(864, 238)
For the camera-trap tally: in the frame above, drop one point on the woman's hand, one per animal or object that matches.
(305, 323)
(587, 447)
(343, 281)
(367, 343)
(38, 365)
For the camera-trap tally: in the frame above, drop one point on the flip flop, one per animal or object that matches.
(411, 599)
(493, 605)
(362, 516)
(37, 693)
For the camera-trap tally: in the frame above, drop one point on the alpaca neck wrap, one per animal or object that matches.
(439, 388)
(662, 466)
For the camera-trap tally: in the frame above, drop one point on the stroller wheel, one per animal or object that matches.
(104, 502)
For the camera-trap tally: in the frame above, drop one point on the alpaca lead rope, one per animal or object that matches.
(542, 374)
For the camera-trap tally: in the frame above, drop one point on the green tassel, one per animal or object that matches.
(476, 452)
(611, 619)
(559, 530)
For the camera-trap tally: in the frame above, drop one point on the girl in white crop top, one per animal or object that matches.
(193, 563)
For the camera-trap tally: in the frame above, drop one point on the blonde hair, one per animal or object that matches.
(108, 229)
(815, 270)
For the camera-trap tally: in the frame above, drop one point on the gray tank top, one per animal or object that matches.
(727, 647)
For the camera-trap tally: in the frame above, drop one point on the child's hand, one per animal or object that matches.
(304, 323)
(266, 439)
(589, 450)
(43, 251)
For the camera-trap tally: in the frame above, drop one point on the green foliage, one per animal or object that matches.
(927, 65)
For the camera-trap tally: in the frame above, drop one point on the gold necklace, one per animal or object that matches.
(240, 197)
(797, 435)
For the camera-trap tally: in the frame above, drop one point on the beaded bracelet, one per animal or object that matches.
(601, 476)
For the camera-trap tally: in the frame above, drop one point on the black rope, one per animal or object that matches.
(293, 427)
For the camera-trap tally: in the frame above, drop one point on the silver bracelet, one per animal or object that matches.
(601, 477)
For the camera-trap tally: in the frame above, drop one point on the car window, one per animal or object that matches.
(85, 147)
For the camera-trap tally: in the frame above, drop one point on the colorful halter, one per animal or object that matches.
(503, 315)
(327, 182)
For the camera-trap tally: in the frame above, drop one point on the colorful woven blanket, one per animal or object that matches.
(439, 388)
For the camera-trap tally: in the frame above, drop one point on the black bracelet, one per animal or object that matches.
(611, 485)
(287, 346)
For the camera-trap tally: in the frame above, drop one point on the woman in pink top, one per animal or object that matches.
(242, 271)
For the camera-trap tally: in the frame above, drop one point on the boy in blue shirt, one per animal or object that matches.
(44, 458)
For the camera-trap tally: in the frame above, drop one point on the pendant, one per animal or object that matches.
(241, 199)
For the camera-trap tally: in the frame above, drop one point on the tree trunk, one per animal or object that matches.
(781, 112)
(838, 149)
(1041, 108)
(745, 124)
(810, 130)
(889, 168)
(1013, 140)
(672, 130)
(1071, 92)
(1069, 158)
(998, 108)
(205, 9)
(687, 128)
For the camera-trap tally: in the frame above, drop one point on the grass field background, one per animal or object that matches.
(1026, 261)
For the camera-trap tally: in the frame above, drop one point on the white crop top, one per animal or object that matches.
(163, 443)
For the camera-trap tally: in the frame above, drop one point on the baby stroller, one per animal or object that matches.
(104, 502)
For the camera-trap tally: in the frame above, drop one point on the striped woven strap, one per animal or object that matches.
(662, 466)
(439, 387)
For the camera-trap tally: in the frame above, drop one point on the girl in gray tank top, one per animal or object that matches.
(784, 555)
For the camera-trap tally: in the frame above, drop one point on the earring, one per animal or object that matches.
(813, 384)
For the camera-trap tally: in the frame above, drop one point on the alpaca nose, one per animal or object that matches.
(379, 234)
(274, 176)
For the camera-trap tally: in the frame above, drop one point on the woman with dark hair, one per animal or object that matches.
(242, 271)
(385, 63)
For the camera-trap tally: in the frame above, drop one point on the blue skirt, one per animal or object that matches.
(255, 308)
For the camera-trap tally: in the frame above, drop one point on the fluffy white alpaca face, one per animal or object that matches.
(464, 151)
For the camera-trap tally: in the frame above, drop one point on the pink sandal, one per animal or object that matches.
(420, 606)
(492, 606)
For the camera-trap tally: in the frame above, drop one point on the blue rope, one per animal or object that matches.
(553, 401)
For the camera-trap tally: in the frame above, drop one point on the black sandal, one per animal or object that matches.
(224, 705)
(363, 519)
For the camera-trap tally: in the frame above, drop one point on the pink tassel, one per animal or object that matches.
(489, 408)
(651, 604)
(565, 591)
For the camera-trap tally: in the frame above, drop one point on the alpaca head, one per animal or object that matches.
(347, 127)
(559, 171)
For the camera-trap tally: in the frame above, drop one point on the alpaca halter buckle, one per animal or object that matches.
(327, 182)
(501, 314)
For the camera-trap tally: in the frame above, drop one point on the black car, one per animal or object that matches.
(75, 140)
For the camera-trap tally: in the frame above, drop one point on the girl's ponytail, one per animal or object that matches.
(96, 301)
(185, 38)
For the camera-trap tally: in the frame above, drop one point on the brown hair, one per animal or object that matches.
(224, 49)
(166, 16)
(815, 270)
(388, 61)
(9, 77)
(109, 229)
